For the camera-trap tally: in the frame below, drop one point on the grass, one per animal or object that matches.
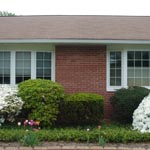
(112, 133)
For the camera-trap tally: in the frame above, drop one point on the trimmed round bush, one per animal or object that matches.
(81, 109)
(125, 101)
(41, 99)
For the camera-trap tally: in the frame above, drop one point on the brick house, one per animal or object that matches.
(97, 54)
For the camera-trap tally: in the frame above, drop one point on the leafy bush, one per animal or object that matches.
(41, 99)
(125, 101)
(81, 109)
(10, 103)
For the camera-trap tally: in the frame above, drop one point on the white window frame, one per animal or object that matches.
(123, 66)
(33, 64)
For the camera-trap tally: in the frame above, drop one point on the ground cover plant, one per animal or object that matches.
(111, 133)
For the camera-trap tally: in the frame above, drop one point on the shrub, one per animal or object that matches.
(125, 101)
(41, 99)
(112, 134)
(10, 103)
(81, 109)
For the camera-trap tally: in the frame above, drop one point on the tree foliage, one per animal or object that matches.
(6, 13)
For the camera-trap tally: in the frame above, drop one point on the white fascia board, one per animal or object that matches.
(74, 41)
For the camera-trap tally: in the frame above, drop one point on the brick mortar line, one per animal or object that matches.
(71, 148)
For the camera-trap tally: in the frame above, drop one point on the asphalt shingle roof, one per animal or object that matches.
(75, 27)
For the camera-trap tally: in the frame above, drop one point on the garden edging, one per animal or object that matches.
(72, 148)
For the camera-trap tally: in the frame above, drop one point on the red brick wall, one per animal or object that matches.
(83, 69)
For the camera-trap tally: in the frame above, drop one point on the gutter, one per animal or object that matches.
(74, 41)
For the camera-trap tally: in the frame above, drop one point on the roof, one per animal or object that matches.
(75, 27)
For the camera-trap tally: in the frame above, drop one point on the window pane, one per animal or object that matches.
(27, 55)
(23, 66)
(1, 72)
(7, 72)
(27, 72)
(43, 65)
(47, 55)
(112, 81)
(130, 63)
(39, 72)
(7, 55)
(145, 73)
(1, 80)
(112, 64)
(40, 64)
(131, 72)
(1, 63)
(48, 78)
(40, 55)
(146, 63)
(4, 67)
(137, 63)
(6, 80)
(19, 79)
(19, 55)
(138, 74)
(118, 64)
(118, 73)
(6, 63)
(47, 72)
(27, 64)
(145, 55)
(131, 55)
(118, 81)
(19, 63)
(146, 81)
(130, 81)
(115, 68)
(47, 64)
(138, 81)
(138, 55)
(112, 72)
(112, 55)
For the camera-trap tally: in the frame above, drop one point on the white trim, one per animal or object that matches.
(12, 69)
(53, 61)
(76, 41)
(124, 69)
(107, 71)
(33, 65)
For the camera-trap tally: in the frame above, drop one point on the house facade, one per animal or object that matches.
(96, 54)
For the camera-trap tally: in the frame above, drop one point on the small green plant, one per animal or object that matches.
(88, 137)
(30, 139)
(101, 139)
